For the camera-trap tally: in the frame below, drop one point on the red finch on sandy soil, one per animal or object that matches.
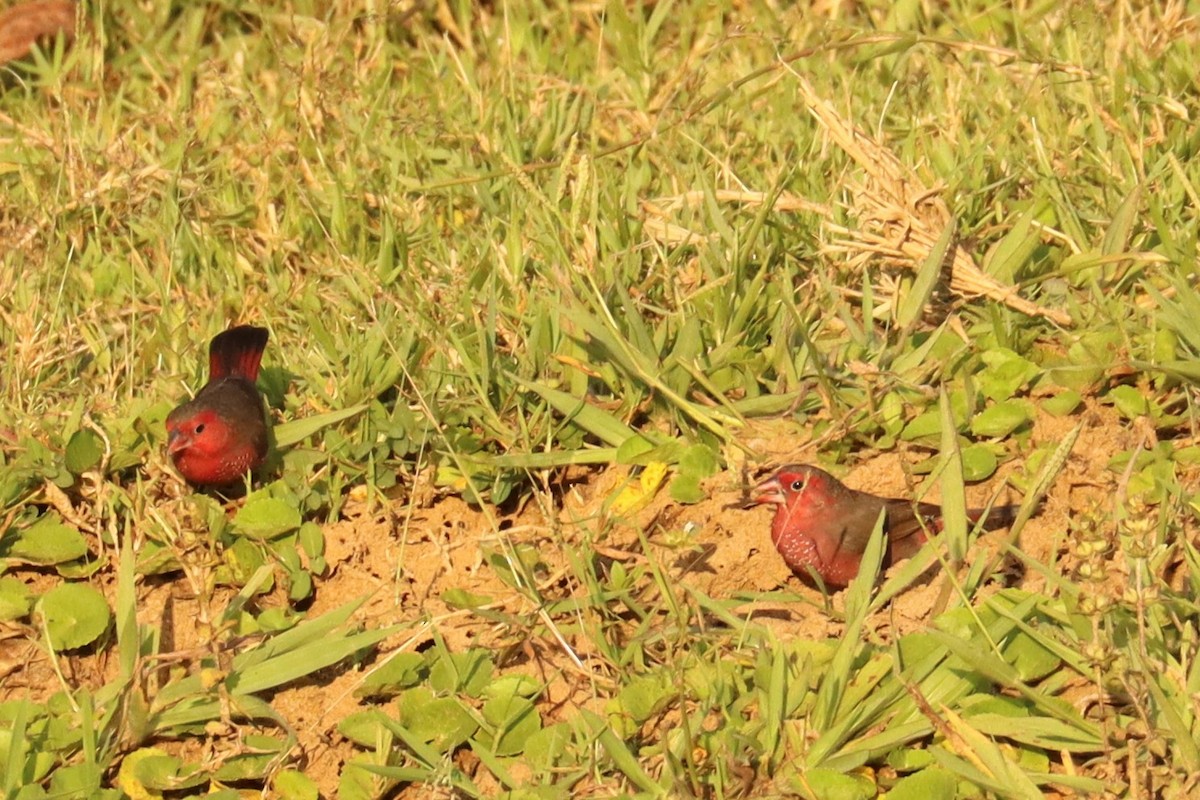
(221, 434)
(821, 523)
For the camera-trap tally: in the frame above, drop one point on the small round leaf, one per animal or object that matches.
(15, 599)
(75, 615)
(84, 451)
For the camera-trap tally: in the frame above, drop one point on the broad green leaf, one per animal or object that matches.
(1063, 403)
(891, 413)
(468, 672)
(1033, 662)
(634, 447)
(245, 767)
(243, 558)
(925, 427)
(15, 599)
(828, 784)
(276, 620)
(520, 685)
(699, 460)
(909, 759)
(359, 780)
(1001, 419)
(696, 463)
(515, 719)
(1129, 401)
(149, 772)
(84, 451)
(401, 671)
(364, 728)
(147, 760)
(311, 539)
(545, 748)
(300, 585)
(685, 488)
(80, 780)
(266, 518)
(1165, 345)
(644, 696)
(75, 615)
(932, 783)
(290, 784)
(461, 598)
(978, 462)
(1005, 374)
(440, 721)
(46, 542)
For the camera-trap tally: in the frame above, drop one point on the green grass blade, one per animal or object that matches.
(929, 275)
(624, 760)
(295, 431)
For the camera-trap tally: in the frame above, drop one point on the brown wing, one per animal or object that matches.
(906, 530)
(856, 522)
(857, 515)
(907, 534)
(997, 517)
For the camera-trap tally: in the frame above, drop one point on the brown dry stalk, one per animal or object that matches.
(900, 219)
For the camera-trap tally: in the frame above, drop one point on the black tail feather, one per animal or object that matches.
(238, 351)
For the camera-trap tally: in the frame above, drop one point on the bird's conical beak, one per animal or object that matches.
(176, 441)
(769, 491)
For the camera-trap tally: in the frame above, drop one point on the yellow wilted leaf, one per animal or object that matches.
(128, 778)
(635, 496)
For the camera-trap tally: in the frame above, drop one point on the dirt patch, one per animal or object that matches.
(404, 558)
(712, 546)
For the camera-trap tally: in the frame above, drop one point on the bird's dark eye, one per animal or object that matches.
(798, 485)
(200, 428)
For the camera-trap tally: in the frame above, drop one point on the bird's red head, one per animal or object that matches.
(206, 449)
(195, 430)
(791, 484)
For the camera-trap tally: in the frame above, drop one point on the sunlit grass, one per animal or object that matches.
(493, 242)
